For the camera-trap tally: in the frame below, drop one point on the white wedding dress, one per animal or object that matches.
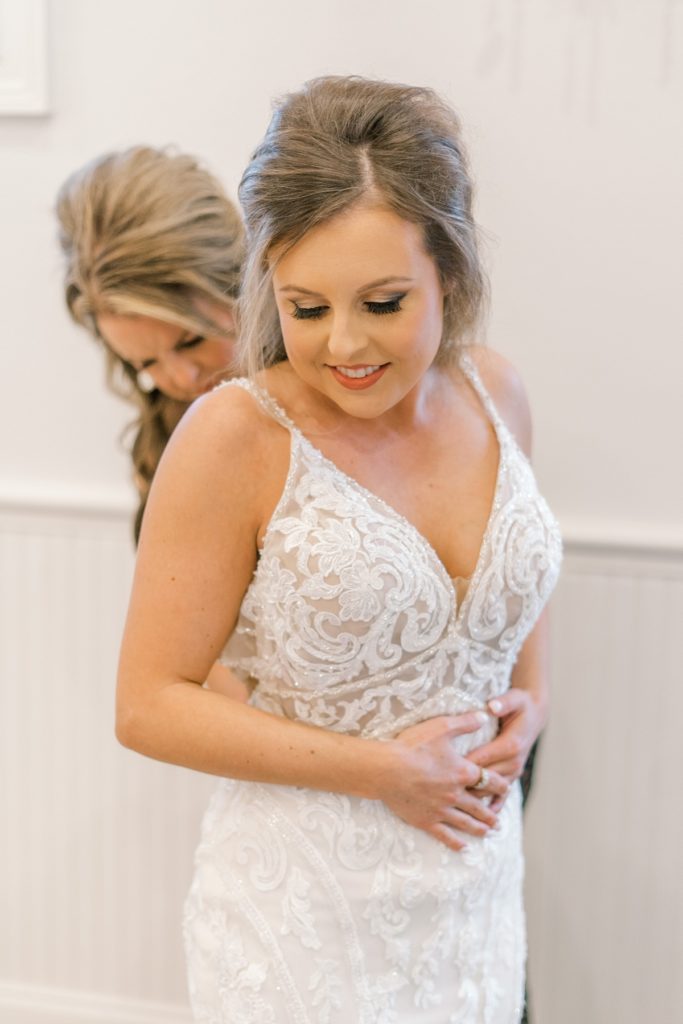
(313, 908)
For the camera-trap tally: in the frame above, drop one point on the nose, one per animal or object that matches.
(344, 341)
(182, 371)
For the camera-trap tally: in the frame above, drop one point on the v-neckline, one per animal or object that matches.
(457, 605)
(394, 513)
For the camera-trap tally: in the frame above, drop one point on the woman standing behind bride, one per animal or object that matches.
(152, 249)
(357, 528)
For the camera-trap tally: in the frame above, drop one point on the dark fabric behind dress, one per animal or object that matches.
(526, 781)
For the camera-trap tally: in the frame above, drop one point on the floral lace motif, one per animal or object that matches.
(313, 907)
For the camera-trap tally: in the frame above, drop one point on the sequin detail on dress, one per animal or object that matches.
(317, 908)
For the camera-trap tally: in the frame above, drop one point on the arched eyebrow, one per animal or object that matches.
(364, 288)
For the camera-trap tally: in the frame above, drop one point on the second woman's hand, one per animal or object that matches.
(432, 786)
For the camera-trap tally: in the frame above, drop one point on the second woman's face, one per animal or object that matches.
(180, 363)
(361, 309)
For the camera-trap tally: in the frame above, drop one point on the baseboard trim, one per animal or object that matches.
(31, 1004)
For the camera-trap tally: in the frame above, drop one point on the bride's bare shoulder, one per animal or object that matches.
(233, 411)
(227, 435)
(504, 384)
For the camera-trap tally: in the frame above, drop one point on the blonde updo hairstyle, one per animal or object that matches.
(340, 141)
(145, 232)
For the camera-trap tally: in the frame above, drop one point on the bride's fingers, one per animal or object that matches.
(454, 822)
(459, 725)
(447, 836)
(487, 755)
(476, 808)
(454, 818)
(494, 783)
(509, 770)
(513, 700)
(506, 746)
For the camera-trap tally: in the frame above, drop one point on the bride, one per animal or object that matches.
(354, 527)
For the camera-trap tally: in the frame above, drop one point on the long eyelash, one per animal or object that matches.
(390, 306)
(378, 308)
(191, 342)
(308, 312)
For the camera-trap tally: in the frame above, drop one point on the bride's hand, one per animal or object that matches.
(521, 721)
(431, 789)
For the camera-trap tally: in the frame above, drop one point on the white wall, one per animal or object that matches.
(572, 110)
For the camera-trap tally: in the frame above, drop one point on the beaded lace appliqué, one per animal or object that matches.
(351, 621)
(317, 908)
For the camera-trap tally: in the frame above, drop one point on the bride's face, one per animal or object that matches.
(361, 309)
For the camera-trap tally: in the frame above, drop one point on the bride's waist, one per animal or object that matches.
(378, 715)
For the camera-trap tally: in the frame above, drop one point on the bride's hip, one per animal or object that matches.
(263, 831)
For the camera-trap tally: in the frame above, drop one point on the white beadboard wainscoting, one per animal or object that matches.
(97, 842)
(604, 831)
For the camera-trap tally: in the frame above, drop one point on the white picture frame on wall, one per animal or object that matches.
(23, 58)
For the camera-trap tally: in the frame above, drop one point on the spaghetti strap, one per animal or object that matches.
(472, 374)
(263, 398)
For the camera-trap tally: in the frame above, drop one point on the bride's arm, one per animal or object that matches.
(523, 709)
(222, 680)
(215, 487)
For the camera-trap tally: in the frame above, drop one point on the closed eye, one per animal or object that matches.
(190, 343)
(179, 347)
(390, 306)
(308, 312)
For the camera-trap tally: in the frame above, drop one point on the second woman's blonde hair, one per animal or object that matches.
(145, 232)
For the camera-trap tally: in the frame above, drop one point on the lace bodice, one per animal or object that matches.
(323, 908)
(351, 621)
